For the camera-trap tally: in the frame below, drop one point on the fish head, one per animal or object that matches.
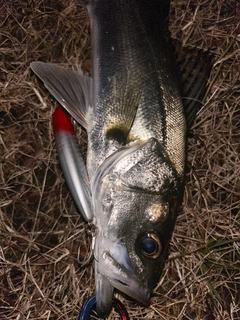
(136, 201)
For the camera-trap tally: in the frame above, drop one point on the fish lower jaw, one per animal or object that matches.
(139, 294)
(123, 280)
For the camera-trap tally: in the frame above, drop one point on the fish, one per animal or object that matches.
(132, 108)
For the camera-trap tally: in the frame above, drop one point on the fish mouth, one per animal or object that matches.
(122, 277)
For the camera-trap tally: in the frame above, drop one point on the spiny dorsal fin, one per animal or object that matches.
(194, 69)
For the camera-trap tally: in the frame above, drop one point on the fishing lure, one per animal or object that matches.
(72, 163)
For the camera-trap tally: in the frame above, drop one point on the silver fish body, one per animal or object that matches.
(135, 86)
(132, 110)
(136, 152)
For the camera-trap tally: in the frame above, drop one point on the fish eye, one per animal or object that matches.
(150, 245)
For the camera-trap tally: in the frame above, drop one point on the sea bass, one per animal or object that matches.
(132, 110)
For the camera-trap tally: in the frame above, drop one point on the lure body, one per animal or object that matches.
(72, 162)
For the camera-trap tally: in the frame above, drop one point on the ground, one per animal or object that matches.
(43, 240)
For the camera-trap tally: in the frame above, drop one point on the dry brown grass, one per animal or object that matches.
(43, 237)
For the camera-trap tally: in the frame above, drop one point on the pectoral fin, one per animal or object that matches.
(72, 89)
(122, 109)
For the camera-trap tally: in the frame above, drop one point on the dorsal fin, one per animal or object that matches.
(194, 69)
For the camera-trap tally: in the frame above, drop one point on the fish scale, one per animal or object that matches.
(123, 57)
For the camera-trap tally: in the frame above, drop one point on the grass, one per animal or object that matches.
(43, 240)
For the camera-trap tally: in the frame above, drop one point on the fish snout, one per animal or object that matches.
(114, 269)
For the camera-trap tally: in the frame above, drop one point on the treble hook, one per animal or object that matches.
(89, 304)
